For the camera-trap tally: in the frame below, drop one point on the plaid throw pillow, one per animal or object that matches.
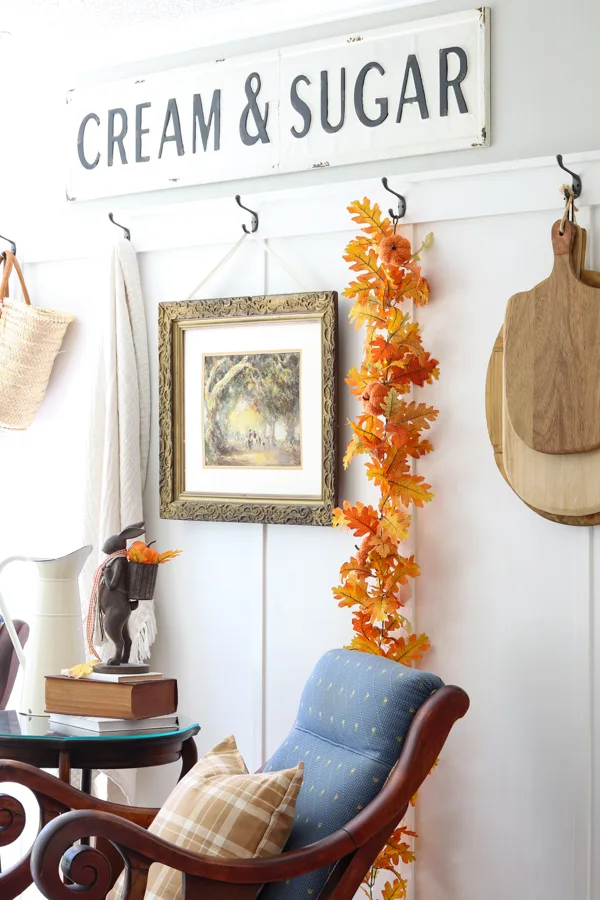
(218, 809)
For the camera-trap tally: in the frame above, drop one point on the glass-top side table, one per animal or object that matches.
(30, 739)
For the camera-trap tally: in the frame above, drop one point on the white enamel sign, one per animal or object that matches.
(404, 90)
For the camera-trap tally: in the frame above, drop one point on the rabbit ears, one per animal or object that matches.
(119, 541)
(133, 531)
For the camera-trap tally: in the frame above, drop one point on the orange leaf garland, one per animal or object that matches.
(390, 430)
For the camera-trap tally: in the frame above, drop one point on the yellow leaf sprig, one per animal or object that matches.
(83, 669)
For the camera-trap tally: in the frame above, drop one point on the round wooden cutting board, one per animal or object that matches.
(494, 397)
(493, 409)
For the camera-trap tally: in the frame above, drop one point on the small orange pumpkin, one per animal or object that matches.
(394, 250)
(373, 396)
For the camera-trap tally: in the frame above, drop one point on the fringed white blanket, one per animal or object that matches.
(119, 436)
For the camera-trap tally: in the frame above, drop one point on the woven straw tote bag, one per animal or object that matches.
(30, 338)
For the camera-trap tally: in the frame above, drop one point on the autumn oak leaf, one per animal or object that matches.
(338, 519)
(415, 416)
(367, 309)
(414, 370)
(362, 625)
(395, 890)
(358, 381)
(369, 215)
(351, 593)
(360, 519)
(410, 650)
(394, 525)
(364, 645)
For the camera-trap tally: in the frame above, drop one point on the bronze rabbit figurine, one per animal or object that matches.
(113, 594)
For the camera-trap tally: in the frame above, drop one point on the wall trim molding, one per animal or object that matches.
(159, 222)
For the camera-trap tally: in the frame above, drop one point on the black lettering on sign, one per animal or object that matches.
(359, 98)
(140, 132)
(213, 116)
(116, 138)
(412, 68)
(91, 117)
(301, 107)
(172, 115)
(454, 83)
(331, 129)
(252, 89)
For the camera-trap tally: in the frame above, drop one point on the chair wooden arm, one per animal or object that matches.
(52, 793)
(54, 797)
(354, 847)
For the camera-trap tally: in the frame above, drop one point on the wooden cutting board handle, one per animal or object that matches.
(562, 244)
(552, 358)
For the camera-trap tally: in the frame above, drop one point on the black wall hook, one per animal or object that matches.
(576, 178)
(401, 204)
(254, 222)
(126, 230)
(13, 246)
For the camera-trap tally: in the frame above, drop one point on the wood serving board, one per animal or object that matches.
(552, 358)
(493, 397)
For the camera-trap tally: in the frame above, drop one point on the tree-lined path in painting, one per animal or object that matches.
(252, 409)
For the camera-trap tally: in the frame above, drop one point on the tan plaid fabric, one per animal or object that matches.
(219, 809)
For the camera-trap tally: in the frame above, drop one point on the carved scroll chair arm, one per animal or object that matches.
(54, 797)
(209, 878)
(52, 792)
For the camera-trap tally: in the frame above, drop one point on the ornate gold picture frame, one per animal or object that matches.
(247, 409)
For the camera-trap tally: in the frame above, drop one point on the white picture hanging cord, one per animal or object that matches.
(281, 261)
(232, 251)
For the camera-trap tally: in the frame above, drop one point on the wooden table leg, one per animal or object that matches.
(64, 766)
(86, 781)
(86, 787)
(189, 756)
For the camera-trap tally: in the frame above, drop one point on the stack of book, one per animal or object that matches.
(104, 704)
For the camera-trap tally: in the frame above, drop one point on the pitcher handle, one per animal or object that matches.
(6, 615)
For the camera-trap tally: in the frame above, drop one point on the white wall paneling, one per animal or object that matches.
(160, 223)
(509, 599)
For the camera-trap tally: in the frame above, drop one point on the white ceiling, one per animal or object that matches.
(68, 40)
(103, 13)
(77, 36)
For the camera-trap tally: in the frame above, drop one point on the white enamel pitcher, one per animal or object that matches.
(55, 625)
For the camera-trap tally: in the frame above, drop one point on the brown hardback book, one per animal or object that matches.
(137, 700)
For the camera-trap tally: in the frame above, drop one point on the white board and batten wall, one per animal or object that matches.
(507, 598)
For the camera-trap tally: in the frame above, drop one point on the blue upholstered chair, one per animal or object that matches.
(354, 716)
(368, 731)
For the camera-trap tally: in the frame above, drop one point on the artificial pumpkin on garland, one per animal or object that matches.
(389, 432)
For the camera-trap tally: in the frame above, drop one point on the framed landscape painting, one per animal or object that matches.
(248, 409)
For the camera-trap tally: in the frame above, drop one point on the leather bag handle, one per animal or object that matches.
(10, 260)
